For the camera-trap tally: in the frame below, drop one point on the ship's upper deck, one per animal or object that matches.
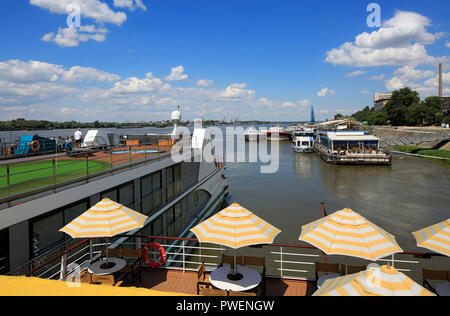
(26, 178)
(286, 270)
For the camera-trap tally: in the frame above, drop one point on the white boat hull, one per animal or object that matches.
(302, 150)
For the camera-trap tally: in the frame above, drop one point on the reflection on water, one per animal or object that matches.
(409, 195)
(303, 165)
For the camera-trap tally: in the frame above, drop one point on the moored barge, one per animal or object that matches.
(344, 142)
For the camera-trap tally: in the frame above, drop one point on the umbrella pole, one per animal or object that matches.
(107, 250)
(235, 268)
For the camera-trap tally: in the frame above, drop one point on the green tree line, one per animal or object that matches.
(404, 108)
(22, 124)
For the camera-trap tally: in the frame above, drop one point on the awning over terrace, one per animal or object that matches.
(24, 286)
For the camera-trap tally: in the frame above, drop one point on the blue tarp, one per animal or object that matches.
(45, 145)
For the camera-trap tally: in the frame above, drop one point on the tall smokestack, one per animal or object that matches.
(440, 81)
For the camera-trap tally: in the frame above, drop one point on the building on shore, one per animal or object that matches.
(446, 105)
(380, 100)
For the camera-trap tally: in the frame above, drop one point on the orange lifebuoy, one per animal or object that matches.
(33, 147)
(162, 253)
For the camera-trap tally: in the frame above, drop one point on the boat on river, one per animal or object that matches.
(303, 140)
(278, 133)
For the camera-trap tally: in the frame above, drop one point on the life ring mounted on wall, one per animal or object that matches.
(162, 252)
(35, 145)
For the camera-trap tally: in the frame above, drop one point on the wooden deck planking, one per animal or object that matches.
(179, 282)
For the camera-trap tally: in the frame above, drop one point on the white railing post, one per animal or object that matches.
(393, 261)
(281, 261)
(91, 252)
(63, 271)
(184, 258)
(138, 244)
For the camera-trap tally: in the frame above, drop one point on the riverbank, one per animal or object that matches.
(426, 152)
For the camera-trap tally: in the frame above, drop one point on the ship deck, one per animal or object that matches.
(177, 281)
(25, 176)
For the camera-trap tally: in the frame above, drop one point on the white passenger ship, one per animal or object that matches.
(303, 140)
(140, 174)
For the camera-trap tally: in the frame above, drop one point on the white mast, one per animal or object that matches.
(175, 118)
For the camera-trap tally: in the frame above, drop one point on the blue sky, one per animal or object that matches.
(256, 59)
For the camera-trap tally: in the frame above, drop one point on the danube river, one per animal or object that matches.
(409, 195)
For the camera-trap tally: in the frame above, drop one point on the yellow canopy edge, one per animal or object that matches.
(25, 286)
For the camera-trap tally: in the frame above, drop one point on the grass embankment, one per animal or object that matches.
(33, 175)
(426, 152)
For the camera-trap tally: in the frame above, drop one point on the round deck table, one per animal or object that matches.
(96, 267)
(250, 280)
(443, 289)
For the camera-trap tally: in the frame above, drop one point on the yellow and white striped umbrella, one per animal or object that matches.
(105, 219)
(348, 233)
(235, 227)
(382, 281)
(435, 238)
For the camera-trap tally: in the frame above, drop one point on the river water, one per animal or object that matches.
(409, 195)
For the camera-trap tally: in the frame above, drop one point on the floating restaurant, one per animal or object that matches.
(344, 142)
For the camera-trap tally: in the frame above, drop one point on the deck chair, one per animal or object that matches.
(112, 253)
(134, 268)
(435, 276)
(258, 262)
(131, 253)
(213, 292)
(232, 293)
(202, 283)
(326, 268)
(353, 269)
(85, 277)
(133, 271)
(230, 260)
(103, 280)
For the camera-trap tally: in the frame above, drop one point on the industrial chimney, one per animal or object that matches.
(440, 81)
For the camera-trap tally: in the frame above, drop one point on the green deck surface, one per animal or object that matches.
(33, 175)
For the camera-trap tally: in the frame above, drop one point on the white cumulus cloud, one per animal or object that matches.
(130, 4)
(400, 41)
(204, 83)
(325, 91)
(177, 74)
(37, 71)
(355, 74)
(136, 85)
(72, 36)
(423, 81)
(77, 74)
(237, 90)
(407, 77)
(94, 9)
(288, 105)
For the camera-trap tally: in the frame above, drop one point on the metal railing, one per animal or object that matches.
(185, 254)
(20, 179)
(156, 199)
(379, 156)
(3, 265)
